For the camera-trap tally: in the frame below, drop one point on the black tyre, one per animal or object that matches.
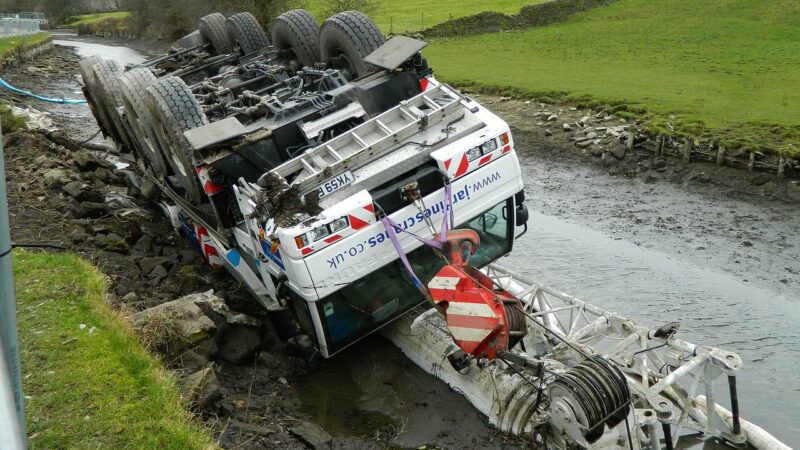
(346, 39)
(107, 74)
(92, 93)
(213, 28)
(245, 31)
(174, 110)
(294, 34)
(133, 85)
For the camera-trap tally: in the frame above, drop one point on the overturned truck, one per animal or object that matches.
(351, 193)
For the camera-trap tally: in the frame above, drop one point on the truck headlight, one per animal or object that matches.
(318, 233)
(338, 224)
(474, 153)
(489, 146)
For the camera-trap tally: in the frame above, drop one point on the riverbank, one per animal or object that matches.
(16, 49)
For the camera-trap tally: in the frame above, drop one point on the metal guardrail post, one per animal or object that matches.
(8, 317)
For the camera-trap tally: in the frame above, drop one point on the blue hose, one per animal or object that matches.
(4, 84)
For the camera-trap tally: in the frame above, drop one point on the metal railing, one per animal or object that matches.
(12, 409)
(16, 26)
(40, 17)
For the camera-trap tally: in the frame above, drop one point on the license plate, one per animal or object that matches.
(333, 184)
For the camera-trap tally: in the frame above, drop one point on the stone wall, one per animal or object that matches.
(529, 16)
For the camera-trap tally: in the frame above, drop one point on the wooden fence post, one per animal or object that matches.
(781, 165)
(752, 164)
(721, 155)
(687, 151)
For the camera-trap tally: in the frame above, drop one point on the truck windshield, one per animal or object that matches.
(365, 305)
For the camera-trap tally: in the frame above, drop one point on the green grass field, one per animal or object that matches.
(90, 19)
(725, 67)
(393, 16)
(11, 44)
(85, 387)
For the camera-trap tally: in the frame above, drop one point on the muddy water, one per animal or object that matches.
(620, 266)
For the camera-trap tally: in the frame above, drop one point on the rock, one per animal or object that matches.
(55, 177)
(73, 188)
(651, 177)
(552, 118)
(302, 345)
(238, 344)
(144, 244)
(313, 435)
(188, 256)
(84, 161)
(104, 175)
(148, 189)
(761, 179)
(78, 235)
(217, 305)
(182, 316)
(158, 273)
(113, 243)
(130, 297)
(660, 164)
(147, 264)
(566, 127)
(82, 192)
(618, 151)
(92, 210)
(591, 135)
(201, 388)
(584, 143)
(547, 132)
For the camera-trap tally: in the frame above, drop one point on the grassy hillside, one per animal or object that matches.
(397, 16)
(88, 381)
(727, 67)
(90, 19)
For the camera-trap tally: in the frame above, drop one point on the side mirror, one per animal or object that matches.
(522, 215)
(521, 219)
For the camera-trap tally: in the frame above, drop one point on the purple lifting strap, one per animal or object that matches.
(392, 228)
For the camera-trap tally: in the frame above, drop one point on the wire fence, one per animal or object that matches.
(14, 26)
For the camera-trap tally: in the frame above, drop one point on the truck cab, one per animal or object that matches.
(342, 276)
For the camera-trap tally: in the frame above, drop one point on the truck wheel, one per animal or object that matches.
(92, 93)
(346, 39)
(294, 34)
(245, 31)
(107, 75)
(174, 110)
(133, 85)
(212, 27)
